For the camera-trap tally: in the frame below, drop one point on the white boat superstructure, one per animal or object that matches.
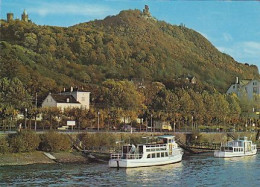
(237, 148)
(165, 151)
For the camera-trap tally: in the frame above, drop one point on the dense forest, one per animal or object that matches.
(110, 58)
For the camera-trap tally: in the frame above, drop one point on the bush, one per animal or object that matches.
(98, 140)
(53, 141)
(24, 141)
(4, 145)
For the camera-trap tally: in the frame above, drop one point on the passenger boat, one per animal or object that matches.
(237, 148)
(164, 151)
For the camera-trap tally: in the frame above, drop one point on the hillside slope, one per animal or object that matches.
(128, 45)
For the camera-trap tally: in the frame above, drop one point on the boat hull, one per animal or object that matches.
(144, 162)
(223, 154)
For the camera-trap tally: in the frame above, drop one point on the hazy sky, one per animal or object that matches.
(232, 26)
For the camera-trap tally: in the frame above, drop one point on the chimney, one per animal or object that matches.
(236, 80)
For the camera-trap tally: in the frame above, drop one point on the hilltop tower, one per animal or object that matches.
(146, 11)
(25, 16)
(10, 17)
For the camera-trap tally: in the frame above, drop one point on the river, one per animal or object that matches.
(195, 170)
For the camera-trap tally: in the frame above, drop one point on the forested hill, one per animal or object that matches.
(128, 45)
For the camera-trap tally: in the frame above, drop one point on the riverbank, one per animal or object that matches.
(100, 144)
(38, 157)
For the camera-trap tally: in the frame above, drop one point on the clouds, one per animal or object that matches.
(81, 9)
(248, 51)
(252, 48)
(227, 37)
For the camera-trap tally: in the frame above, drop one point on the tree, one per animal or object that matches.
(76, 114)
(51, 116)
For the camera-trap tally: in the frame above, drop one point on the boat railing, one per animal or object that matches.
(116, 156)
(126, 156)
(133, 156)
(156, 147)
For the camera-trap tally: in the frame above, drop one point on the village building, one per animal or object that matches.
(245, 87)
(73, 98)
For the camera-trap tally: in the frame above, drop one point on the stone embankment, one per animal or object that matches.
(39, 157)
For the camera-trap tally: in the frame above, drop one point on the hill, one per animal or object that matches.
(128, 45)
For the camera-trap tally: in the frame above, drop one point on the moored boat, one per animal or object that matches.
(237, 148)
(164, 151)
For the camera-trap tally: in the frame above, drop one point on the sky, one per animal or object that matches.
(231, 26)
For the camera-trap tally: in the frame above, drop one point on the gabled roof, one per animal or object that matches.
(244, 82)
(166, 136)
(63, 98)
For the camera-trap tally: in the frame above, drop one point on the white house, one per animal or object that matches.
(68, 99)
(247, 87)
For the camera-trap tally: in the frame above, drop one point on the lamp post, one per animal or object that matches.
(151, 123)
(98, 119)
(35, 119)
(25, 117)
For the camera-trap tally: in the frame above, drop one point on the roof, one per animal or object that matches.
(63, 98)
(166, 136)
(72, 89)
(244, 82)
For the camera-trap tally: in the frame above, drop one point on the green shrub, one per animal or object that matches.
(53, 142)
(24, 141)
(4, 145)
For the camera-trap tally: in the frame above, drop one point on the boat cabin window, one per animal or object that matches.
(162, 154)
(153, 155)
(126, 148)
(149, 156)
(166, 154)
(164, 140)
(158, 155)
(141, 149)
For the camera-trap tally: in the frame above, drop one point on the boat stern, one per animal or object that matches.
(219, 154)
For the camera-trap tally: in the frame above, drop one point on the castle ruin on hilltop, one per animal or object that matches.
(146, 13)
(24, 17)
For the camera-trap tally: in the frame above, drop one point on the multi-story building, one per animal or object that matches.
(73, 98)
(245, 87)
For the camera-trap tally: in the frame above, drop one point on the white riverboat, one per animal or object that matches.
(164, 151)
(237, 148)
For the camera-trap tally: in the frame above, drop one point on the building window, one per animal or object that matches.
(255, 90)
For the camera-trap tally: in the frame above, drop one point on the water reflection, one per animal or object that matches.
(154, 169)
(153, 175)
(196, 170)
(244, 159)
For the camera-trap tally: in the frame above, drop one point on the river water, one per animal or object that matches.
(195, 170)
